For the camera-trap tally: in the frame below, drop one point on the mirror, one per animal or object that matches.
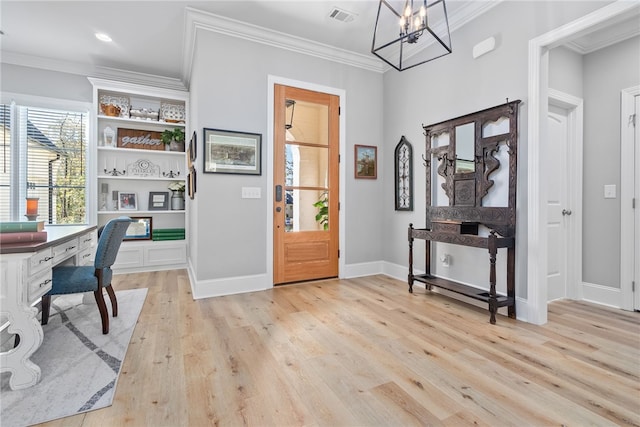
(465, 147)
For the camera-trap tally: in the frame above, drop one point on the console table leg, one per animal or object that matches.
(410, 277)
(493, 301)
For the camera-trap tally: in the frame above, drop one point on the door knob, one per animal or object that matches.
(566, 212)
(278, 209)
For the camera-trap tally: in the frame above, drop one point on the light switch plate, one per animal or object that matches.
(251, 192)
(610, 191)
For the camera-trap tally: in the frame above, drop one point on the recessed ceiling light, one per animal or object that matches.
(103, 37)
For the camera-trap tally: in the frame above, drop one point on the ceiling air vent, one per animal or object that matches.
(341, 15)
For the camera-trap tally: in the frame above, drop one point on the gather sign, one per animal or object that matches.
(140, 139)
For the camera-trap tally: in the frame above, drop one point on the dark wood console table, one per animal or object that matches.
(466, 151)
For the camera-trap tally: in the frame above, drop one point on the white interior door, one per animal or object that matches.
(558, 209)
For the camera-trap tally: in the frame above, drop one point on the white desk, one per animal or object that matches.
(25, 275)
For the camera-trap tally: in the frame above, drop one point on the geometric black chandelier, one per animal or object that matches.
(406, 35)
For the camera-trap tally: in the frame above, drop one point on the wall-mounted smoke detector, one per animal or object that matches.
(341, 15)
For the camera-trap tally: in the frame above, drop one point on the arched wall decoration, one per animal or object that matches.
(403, 159)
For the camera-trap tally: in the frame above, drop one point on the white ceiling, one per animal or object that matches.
(153, 37)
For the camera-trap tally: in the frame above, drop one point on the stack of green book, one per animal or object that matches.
(168, 234)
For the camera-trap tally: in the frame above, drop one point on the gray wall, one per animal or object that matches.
(566, 71)
(606, 73)
(598, 78)
(455, 85)
(38, 82)
(229, 91)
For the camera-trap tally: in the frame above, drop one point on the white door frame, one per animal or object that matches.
(575, 112)
(271, 82)
(628, 191)
(537, 144)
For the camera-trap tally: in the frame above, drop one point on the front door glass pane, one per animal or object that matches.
(306, 210)
(306, 166)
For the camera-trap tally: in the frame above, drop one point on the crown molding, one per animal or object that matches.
(88, 70)
(199, 20)
(196, 19)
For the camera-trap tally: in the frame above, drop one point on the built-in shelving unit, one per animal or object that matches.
(135, 169)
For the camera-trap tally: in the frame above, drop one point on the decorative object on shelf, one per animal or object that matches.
(191, 182)
(113, 102)
(144, 114)
(109, 137)
(158, 200)
(104, 191)
(172, 113)
(177, 196)
(114, 171)
(114, 198)
(403, 164)
(403, 47)
(127, 201)
(232, 152)
(366, 162)
(140, 139)
(173, 139)
(143, 168)
(140, 228)
(32, 208)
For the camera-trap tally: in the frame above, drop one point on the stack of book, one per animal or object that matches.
(168, 234)
(22, 232)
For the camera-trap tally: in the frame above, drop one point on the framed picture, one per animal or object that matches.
(366, 162)
(127, 201)
(139, 229)
(193, 147)
(232, 152)
(191, 183)
(158, 200)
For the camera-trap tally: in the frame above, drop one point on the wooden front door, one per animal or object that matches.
(306, 157)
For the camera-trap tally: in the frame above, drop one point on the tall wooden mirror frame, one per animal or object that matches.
(466, 187)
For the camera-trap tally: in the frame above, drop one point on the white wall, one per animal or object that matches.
(566, 71)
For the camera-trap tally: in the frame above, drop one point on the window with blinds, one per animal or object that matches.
(43, 156)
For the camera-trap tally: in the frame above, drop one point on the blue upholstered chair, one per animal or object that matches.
(72, 279)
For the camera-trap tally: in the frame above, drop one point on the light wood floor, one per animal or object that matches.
(365, 352)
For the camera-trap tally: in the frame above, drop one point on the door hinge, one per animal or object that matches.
(340, 110)
(338, 253)
(633, 203)
(338, 205)
(633, 286)
(632, 120)
(339, 158)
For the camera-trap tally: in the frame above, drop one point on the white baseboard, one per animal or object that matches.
(603, 295)
(362, 269)
(228, 286)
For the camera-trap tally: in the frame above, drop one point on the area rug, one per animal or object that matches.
(80, 365)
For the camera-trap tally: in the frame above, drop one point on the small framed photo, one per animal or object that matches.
(191, 183)
(139, 229)
(127, 201)
(366, 162)
(158, 200)
(228, 151)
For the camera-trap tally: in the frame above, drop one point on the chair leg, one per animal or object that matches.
(46, 305)
(104, 315)
(114, 301)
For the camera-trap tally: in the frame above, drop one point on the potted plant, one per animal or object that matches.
(322, 217)
(173, 139)
(177, 196)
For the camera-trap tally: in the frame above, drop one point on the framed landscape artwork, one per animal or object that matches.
(232, 152)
